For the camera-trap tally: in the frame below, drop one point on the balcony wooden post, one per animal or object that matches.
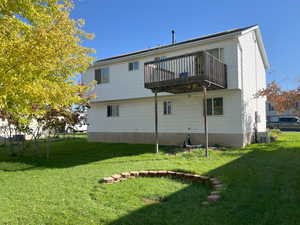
(205, 120)
(156, 122)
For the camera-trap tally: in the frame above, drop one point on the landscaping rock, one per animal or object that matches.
(213, 198)
(125, 175)
(189, 175)
(171, 173)
(143, 173)
(116, 177)
(214, 181)
(108, 180)
(179, 174)
(219, 187)
(162, 173)
(205, 178)
(152, 173)
(198, 178)
(134, 173)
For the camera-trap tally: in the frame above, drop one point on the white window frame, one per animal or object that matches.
(135, 66)
(115, 111)
(220, 53)
(167, 108)
(104, 77)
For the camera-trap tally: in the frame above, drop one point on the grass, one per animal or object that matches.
(262, 186)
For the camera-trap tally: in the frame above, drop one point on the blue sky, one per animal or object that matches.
(124, 26)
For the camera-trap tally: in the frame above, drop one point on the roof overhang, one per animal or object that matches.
(188, 44)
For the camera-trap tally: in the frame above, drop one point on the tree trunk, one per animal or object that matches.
(48, 146)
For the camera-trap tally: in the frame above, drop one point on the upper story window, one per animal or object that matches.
(217, 52)
(112, 110)
(167, 107)
(133, 66)
(214, 106)
(102, 75)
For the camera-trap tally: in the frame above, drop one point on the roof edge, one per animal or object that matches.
(260, 44)
(164, 48)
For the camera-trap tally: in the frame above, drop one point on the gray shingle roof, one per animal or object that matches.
(179, 43)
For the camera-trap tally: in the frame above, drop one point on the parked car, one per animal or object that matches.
(286, 123)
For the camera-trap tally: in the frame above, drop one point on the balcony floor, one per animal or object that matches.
(182, 85)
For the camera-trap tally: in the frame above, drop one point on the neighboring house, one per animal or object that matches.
(273, 115)
(231, 64)
(2, 130)
(7, 132)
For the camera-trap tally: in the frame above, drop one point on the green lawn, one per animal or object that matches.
(262, 186)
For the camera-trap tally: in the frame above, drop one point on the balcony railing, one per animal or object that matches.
(185, 73)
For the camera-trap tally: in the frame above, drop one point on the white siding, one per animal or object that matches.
(187, 116)
(124, 84)
(253, 79)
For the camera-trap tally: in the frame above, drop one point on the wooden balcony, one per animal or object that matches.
(185, 73)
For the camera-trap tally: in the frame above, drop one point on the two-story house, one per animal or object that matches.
(230, 65)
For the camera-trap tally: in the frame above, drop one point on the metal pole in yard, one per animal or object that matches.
(205, 120)
(156, 123)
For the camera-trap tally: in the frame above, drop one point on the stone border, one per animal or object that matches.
(214, 196)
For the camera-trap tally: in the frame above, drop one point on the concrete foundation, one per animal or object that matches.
(176, 139)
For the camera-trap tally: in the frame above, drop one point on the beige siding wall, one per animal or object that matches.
(187, 117)
(124, 84)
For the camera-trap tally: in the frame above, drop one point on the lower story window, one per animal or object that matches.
(167, 107)
(214, 106)
(112, 110)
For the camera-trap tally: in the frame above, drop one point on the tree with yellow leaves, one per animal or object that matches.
(40, 52)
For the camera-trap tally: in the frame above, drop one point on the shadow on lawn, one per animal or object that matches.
(69, 153)
(262, 188)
